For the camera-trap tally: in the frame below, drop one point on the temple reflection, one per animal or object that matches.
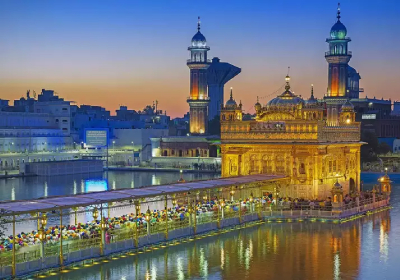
(310, 250)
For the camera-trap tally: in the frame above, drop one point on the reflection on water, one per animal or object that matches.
(368, 248)
(269, 251)
(35, 187)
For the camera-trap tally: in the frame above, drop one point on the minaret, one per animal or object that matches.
(198, 99)
(338, 58)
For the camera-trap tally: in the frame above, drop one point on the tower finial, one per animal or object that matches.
(312, 90)
(257, 99)
(287, 79)
(198, 23)
(338, 11)
(231, 93)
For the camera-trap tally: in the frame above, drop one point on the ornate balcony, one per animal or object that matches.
(329, 53)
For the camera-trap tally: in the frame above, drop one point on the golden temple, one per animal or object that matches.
(310, 142)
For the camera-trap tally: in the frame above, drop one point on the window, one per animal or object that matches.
(302, 169)
(65, 109)
(65, 121)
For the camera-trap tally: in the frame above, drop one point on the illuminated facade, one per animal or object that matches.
(292, 136)
(198, 99)
(343, 80)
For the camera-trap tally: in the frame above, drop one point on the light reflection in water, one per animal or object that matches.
(310, 251)
(336, 266)
(383, 243)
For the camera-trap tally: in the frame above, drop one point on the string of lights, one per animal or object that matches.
(274, 93)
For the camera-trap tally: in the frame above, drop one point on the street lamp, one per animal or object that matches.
(43, 220)
(232, 192)
(181, 180)
(95, 213)
(114, 145)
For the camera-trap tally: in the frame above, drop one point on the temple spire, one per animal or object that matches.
(338, 12)
(312, 90)
(287, 79)
(198, 24)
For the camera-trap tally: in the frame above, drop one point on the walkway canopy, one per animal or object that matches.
(80, 200)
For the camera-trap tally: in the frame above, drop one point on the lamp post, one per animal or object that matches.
(174, 201)
(148, 217)
(42, 236)
(251, 200)
(103, 227)
(95, 213)
(232, 192)
(222, 208)
(76, 218)
(137, 207)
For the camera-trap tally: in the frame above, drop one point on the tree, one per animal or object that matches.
(214, 126)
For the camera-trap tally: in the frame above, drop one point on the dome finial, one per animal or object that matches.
(312, 90)
(231, 93)
(338, 11)
(257, 99)
(198, 23)
(287, 79)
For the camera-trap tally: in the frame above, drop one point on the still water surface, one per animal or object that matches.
(367, 248)
(35, 187)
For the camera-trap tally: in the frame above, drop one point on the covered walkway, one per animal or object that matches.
(57, 231)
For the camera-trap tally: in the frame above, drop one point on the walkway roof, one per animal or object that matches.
(85, 199)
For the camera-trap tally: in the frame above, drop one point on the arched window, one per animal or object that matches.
(253, 164)
(302, 169)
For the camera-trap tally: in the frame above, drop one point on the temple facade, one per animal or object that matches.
(315, 143)
(291, 136)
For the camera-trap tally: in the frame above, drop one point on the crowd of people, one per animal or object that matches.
(92, 229)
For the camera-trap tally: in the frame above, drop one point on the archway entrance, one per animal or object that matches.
(352, 185)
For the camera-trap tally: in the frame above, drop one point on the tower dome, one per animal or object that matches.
(198, 39)
(347, 107)
(231, 103)
(338, 30)
(287, 98)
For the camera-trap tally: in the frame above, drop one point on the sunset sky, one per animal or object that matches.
(112, 53)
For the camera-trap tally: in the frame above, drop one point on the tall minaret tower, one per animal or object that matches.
(338, 58)
(198, 99)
